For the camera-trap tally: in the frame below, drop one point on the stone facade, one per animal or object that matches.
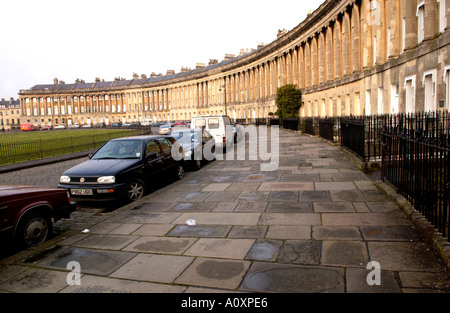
(10, 114)
(348, 57)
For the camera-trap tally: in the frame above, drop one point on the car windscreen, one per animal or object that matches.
(121, 149)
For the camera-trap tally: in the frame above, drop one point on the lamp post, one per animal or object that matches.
(224, 86)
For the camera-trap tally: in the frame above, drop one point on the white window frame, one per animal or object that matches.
(380, 99)
(433, 74)
(395, 99)
(442, 15)
(420, 13)
(447, 87)
(368, 102)
(413, 86)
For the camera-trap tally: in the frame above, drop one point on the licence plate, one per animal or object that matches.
(81, 192)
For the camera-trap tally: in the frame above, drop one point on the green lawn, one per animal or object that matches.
(56, 134)
(24, 146)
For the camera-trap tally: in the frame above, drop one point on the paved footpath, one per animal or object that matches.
(313, 225)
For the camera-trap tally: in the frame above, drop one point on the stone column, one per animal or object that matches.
(366, 34)
(321, 58)
(431, 20)
(337, 46)
(346, 44)
(307, 64)
(295, 67)
(314, 62)
(329, 54)
(410, 23)
(301, 67)
(395, 26)
(356, 38)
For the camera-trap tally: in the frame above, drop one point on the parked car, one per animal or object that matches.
(100, 125)
(59, 127)
(26, 213)
(216, 125)
(126, 125)
(45, 128)
(114, 125)
(74, 126)
(165, 129)
(123, 168)
(86, 126)
(198, 146)
(27, 127)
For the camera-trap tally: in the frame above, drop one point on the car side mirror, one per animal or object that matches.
(90, 155)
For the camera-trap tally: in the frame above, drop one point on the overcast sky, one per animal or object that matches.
(85, 39)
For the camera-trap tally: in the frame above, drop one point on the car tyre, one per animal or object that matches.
(197, 164)
(136, 190)
(34, 229)
(180, 171)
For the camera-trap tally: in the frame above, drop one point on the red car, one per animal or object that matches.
(26, 213)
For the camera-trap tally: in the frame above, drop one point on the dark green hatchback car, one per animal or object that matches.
(124, 168)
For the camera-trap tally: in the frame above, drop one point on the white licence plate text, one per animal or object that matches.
(81, 192)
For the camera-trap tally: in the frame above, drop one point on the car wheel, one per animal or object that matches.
(197, 164)
(180, 171)
(136, 190)
(34, 229)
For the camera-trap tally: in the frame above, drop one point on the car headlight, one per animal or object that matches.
(64, 179)
(106, 180)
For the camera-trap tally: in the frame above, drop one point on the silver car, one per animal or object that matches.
(165, 129)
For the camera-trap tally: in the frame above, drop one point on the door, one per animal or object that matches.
(153, 158)
(166, 148)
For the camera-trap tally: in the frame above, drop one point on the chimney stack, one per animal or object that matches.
(229, 57)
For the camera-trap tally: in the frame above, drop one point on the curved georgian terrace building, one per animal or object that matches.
(348, 57)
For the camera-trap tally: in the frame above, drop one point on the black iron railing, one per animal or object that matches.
(416, 162)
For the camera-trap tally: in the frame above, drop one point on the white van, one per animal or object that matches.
(216, 125)
(146, 122)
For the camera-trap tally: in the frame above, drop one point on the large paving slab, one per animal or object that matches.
(96, 284)
(272, 277)
(221, 248)
(153, 268)
(215, 273)
(92, 261)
